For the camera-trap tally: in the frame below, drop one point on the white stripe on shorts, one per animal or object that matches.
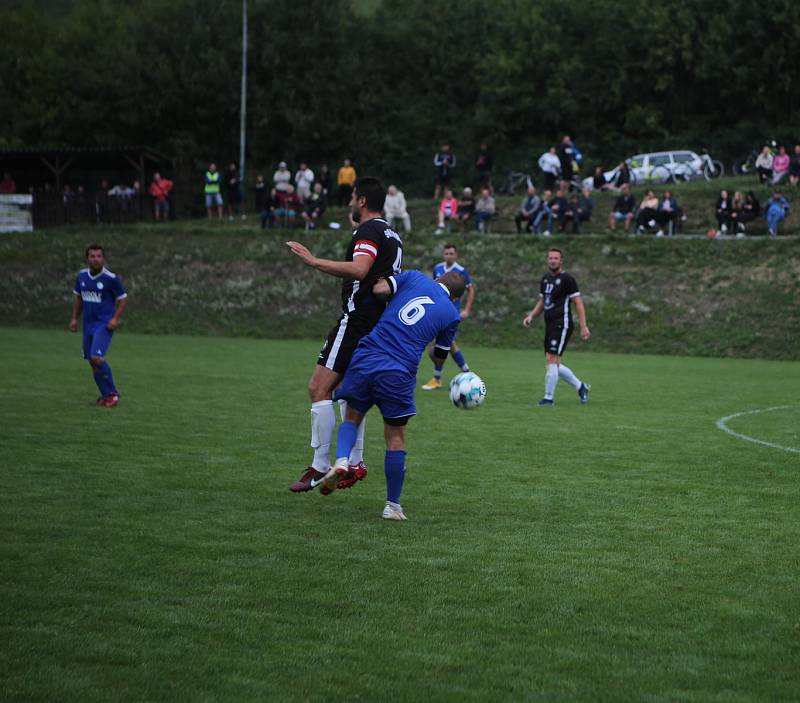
(337, 343)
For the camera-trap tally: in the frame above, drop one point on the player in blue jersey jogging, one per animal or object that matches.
(101, 297)
(383, 370)
(450, 263)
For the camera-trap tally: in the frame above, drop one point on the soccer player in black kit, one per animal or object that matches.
(558, 290)
(375, 251)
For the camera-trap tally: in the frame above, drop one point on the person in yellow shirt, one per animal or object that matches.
(345, 180)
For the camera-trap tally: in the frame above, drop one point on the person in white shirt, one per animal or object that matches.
(303, 180)
(550, 165)
(282, 178)
(394, 208)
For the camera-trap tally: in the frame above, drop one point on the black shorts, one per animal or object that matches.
(556, 336)
(443, 179)
(343, 339)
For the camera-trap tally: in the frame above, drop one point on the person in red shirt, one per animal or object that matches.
(7, 185)
(160, 189)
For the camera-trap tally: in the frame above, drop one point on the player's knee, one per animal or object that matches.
(317, 390)
(96, 361)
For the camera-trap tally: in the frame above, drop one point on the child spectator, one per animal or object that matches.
(780, 165)
(448, 209)
(775, 211)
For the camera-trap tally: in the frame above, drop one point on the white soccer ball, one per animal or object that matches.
(467, 390)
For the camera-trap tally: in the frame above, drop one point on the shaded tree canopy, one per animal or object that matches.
(386, 83)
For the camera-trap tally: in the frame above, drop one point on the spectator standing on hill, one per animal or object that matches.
(527, 210)
(466, 207)
(303, 180)
(484, 162)
(550, 165)
(7, 185)
(445, 162)
(557, 291)
(101, 298)
(484, 210)
(780, 165)
(566, 159)
(581, 209)
(260, 193)
(326, 180)
(775, 211)
(448, 209)
(233, 191)
(160, 189)
(794, 166)
(314, 207)
(764, 165)
(623, 209)
(213, 195)
(395, 208)
(282, 178)
(724, 211)
(344, 181)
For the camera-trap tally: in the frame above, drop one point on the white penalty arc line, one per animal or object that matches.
(721, 423)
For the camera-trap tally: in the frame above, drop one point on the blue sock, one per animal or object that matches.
(437, 371)
(100, 380)
(104, 373)
(394, 467)
(346, 439)
(458, 357)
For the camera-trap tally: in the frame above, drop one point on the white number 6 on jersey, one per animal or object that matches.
(414, 310)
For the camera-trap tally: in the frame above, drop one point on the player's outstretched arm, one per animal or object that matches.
(585, 333)
(77, 306)
(467, 309)
(113, 323)
(355, 269)
(537, 310)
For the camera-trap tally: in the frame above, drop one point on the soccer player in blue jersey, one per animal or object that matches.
(383, 370)
(101, 297)
(450, 263)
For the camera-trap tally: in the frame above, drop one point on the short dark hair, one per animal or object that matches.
(449, 246)
(556, 249)
(93, 247)
(455, 283)
(373, 191)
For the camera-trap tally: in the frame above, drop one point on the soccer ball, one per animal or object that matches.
(467, 391)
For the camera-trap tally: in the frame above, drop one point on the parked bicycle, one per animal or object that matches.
(707, 168)
(747, 164)
(515, 182)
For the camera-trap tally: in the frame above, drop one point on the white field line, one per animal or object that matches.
(721, 423)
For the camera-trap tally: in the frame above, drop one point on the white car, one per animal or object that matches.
(657, 167)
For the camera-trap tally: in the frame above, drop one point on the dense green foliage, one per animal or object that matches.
(673, 296)
(622, 551)
(387, 82)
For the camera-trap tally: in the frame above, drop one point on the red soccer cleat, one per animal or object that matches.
(111, 401)
(309, 480)
(355, 472)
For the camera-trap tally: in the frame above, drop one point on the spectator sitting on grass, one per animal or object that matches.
(543, 213)
(484, 210)
(775, 211)
(623, 209)
(737, 203)
(314, 207)
(724, 210)
(750, 210)
(648, 212)
(764, 165)
(558, 206)
(780, 165)
(623, 177)
(268, 208)
(448, 209)
(580, 210)
(669, 211)
(395, 208)
(466, 207)
(289, 206)
(599, 181)
(794, 166)
(527, 210)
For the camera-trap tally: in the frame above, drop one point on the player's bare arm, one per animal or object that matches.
(382, 290)
(537, 310)
(77, 307)
(356, 269)
(585, 333)
(467, 309)
(113, 323)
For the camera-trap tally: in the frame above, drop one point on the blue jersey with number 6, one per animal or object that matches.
(419, 310)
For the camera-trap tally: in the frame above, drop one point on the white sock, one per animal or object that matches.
(550, 380)
(565, 372)
(357, 452)
(323, 420)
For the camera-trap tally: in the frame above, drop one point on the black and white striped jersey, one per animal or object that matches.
(376, 239)
(557, 291)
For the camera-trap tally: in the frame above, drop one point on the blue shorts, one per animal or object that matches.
(213, 199)
(620, 215)
(162, 206)
(366, 383)
(96, 340)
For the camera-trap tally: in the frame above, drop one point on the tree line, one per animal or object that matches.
(386, 83)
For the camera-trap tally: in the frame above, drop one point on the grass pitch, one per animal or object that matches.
(624, 550)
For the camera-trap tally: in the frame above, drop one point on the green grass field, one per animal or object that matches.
(624, 550)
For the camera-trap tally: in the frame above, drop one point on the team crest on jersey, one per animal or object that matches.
(100, 286)
(558, 280)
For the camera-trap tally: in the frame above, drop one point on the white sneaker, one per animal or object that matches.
(660, 233)
(546, 233)
(740, 235)
(651, 223)
(724, 229)
(392, 513)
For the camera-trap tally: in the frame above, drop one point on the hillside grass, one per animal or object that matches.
(625, 550)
